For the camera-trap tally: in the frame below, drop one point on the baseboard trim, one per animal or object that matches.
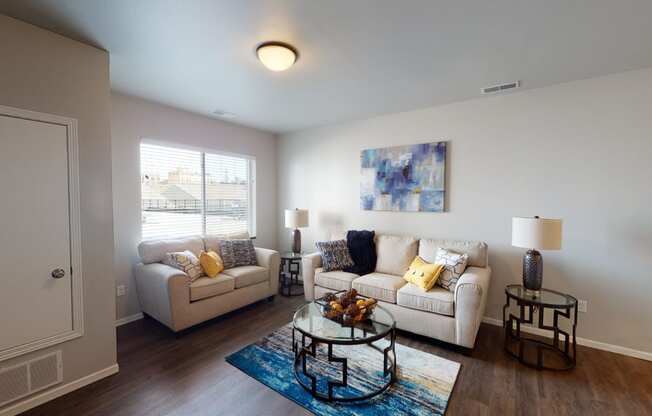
(643, 355)
(127, 319)
(59, 391)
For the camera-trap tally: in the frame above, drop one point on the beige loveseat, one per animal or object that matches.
(452, 317)
(165, 295)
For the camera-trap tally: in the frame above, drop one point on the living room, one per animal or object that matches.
(293, 207)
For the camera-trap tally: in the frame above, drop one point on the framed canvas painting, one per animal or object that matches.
(404, 178)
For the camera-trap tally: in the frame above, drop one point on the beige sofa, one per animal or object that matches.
(452, 317)
(165, 295)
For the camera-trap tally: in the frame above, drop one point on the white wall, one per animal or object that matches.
(46, 72)
(134, 119)
(580, 151)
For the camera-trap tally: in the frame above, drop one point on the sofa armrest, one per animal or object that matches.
(309, 263)
(470, 301)
(271, 260)
(162, 292)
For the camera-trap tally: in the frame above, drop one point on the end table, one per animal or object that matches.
(538, 352)
(289, 274)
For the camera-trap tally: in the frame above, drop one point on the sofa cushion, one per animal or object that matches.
(437, 300)
(236, 253)
(154, 251)
(185, 261)
(212, 242)
(454, 265)
(395, 253)
(248, 275)
(211, 263)
(335, 280)
(423, 274)
(206, 287)
(477, 250)
(334, 255)
(379, 286)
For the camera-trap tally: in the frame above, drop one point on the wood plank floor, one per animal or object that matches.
(163, 375)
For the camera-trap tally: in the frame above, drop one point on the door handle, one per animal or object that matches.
(58, 273)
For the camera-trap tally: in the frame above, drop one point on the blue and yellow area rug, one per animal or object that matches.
(423, 387)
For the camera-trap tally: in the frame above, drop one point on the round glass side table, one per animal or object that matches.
(289, 284)
(557, 352)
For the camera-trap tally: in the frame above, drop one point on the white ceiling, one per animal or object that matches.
(358, 58)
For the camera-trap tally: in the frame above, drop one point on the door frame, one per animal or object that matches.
(77, 291)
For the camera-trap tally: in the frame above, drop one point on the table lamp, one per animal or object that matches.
(296, 218)
(535, 234)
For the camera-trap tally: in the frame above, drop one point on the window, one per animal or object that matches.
(188, 192)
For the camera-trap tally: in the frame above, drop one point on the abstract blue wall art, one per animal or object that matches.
(404, 178)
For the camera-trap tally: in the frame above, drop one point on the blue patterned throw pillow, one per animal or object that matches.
(236, 253)
(334, 255)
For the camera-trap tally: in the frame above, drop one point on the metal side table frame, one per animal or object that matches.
(562, 306)
(303, 349)
(288, 274)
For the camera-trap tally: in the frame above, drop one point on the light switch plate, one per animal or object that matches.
(582, 305)
(121, 290)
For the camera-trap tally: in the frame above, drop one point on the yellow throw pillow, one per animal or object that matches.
(211, 262)
(423, 274)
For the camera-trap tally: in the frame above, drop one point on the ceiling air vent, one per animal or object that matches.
(223, 114)
(500, 88)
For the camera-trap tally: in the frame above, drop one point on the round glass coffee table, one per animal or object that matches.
(313, 328)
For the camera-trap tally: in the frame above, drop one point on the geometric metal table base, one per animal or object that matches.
(289, 275)
(300, 365)
(563, 351)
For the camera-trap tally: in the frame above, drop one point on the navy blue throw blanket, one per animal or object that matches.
(362, 249)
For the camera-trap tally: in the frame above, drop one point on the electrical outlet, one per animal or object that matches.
(582, 305)
(121, 290)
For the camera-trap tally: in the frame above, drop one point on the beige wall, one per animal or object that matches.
(134, 119)
(580, 151)
(45, 72)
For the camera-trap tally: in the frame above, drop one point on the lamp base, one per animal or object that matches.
(296, 241)
(532, 270)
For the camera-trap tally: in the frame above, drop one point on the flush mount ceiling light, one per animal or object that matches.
(276, 56)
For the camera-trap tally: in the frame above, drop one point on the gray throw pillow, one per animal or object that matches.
(236, 253)
(334, 255)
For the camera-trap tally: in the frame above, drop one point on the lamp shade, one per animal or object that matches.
(536, 233)
(296, 218)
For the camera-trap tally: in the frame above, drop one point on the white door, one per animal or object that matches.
(36, 286)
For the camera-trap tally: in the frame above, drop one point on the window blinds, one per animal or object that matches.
(187, 192)
(227, 194)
